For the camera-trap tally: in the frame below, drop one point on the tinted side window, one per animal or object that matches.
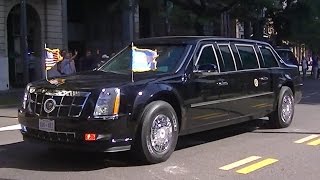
(207, 57)
(248, 57)
(227, 58)
(268, 57)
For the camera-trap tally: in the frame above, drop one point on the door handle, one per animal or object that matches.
(264, 78)
(222, 83)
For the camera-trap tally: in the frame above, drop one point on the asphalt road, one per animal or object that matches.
(198, 156)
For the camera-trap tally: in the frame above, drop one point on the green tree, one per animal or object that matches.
(298, 22)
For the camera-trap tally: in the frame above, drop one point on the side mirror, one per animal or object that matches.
(207, 68)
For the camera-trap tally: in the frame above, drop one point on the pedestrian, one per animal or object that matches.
(318, 73)
(87, 62)
(315, 66)
(304, 66)
(97, 59)
(67, 65)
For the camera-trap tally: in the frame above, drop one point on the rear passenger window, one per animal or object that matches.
(268, 57)
(227, 58)
(248, 57)
(207, 57)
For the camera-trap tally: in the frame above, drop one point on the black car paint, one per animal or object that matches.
(183, 89)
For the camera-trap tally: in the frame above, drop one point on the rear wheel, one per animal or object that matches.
(282, 117)
(158, 134)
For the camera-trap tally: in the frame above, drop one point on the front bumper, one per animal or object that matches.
(111, 135)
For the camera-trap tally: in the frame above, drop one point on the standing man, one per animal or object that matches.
(304, 66)
(315, 66)
(87, 62)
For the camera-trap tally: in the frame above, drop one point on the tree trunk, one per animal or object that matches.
(199, 28)
(258, 30)
(247, 29)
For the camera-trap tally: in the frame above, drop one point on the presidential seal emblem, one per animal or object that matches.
(256, 82)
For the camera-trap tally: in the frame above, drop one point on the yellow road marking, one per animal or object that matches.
(204, 116)
(263, 104)
(306, 139)
(256, 166)
(219, 115)
(314, 143)
(239, 163)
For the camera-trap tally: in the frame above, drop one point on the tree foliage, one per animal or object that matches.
(298, 22)
(294, 20)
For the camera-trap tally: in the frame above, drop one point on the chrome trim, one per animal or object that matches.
(215, 54)
(62, 94)
(66, 93)
(227, 100)
(231, 52)
(118, 149)
(45, 108)
(58, 132)
(161, 133)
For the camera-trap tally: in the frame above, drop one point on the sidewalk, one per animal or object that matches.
(11, 98)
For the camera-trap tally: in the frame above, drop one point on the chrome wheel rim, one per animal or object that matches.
(287, 108)
(161, 133)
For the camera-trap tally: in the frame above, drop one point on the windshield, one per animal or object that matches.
(287, 56)
(168, 59)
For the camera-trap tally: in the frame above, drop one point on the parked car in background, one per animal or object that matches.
(287, 55)
(199, 83)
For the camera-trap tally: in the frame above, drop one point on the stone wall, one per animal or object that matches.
(50, 13)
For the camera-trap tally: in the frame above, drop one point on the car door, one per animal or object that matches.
(205, 85)
(257, 81)
(232, 96)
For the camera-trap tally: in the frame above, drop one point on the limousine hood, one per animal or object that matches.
(91, 80)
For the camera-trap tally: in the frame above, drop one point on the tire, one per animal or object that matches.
(283, 115)
(159, 120)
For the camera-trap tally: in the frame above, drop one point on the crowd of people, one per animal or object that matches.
(314, 61)
(73, 63)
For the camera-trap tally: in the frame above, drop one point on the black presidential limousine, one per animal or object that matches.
(200, 83)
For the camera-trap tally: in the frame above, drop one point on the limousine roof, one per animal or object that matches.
(191, 40)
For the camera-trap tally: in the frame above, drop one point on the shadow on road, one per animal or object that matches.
(310, 92)
(26, 156)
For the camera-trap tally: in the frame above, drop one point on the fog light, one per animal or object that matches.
(24, 128)
(90, 137)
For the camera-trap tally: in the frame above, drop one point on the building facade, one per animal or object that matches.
(82, 25)
(65, 24)
(44, 25)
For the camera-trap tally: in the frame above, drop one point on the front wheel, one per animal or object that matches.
(282, 117)
(158, 133)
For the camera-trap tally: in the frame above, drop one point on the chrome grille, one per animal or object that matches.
(68, 103)
(64, 137)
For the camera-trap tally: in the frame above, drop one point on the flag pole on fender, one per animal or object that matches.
(132, 79)
(45, 46)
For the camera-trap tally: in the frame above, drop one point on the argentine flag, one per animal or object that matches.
(143, 59)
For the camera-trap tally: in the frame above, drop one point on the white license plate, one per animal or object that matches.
(46, 125)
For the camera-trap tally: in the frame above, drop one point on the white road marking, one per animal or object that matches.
(300, 141)
(239, 163)
(11, 128)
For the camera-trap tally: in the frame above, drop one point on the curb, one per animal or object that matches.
(10, 106)
(8, 116)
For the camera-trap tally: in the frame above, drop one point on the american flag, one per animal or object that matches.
(52, 57)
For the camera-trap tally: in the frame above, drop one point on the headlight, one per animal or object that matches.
(108, 103)
(25, 96)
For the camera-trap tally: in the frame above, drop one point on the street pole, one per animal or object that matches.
(23, 39)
